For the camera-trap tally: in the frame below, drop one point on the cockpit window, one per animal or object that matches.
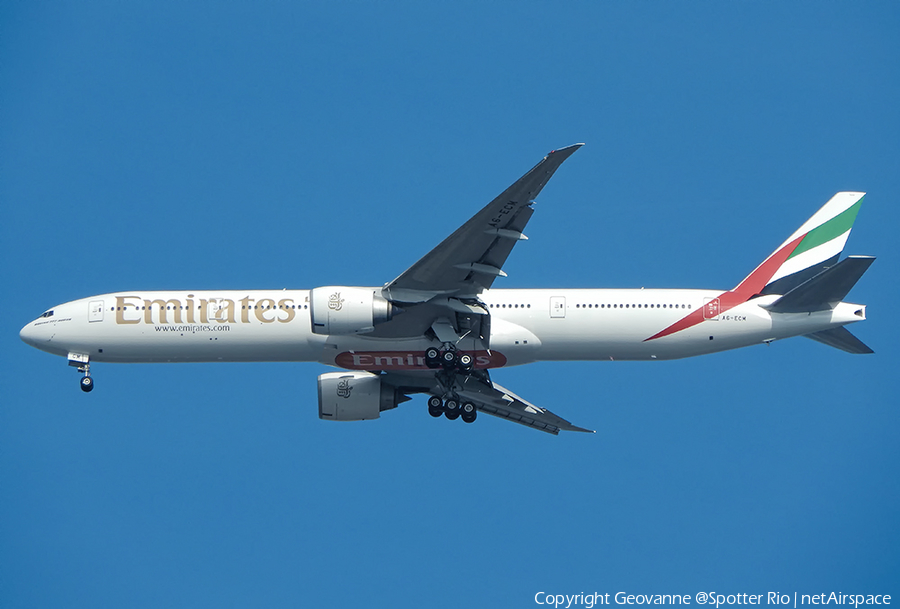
(48, 313)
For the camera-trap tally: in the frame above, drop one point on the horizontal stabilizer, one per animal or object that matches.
(824, 290)
(841, 338)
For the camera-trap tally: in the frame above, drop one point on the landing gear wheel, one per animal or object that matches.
(433, 357)
(469, 418)
(448, 359)
(87, 384)
(451, 408)
(468, 412)
(465, 362)
(435, 406)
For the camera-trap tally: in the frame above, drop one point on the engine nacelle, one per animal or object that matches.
(355, 396)
(343, 310)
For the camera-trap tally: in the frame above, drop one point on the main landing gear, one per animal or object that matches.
(451, 363)
(452, 408)
(449, 359)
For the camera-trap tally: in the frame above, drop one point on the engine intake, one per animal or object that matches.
(355, 396)
(343, 310)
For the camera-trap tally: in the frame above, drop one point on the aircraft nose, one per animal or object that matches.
(28, 334)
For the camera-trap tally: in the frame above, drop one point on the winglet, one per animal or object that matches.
(564, 152)
(573, 147)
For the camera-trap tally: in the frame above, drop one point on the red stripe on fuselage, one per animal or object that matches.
(407, 360)
(749, 287)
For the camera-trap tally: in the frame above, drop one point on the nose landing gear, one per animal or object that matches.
(83, 364)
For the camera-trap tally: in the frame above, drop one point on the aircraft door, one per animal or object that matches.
(95, 312)
(711, 309)
(557, 306)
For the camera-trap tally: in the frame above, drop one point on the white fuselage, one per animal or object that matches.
(526, 326)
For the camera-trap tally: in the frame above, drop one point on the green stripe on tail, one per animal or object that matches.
(835, 227)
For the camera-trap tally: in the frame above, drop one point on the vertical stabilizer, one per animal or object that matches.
(813, 248)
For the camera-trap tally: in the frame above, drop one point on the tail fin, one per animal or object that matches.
(813, 248)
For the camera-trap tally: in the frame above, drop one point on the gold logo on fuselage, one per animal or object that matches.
(132, 309)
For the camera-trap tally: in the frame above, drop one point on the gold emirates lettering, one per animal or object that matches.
(133, 309)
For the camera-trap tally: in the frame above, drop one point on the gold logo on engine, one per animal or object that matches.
(335, 302)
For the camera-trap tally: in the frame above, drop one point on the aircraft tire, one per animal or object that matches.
(432, 357)
(451, 408)
(448, 359)
(465, 362)
(435, 406)
(87, 384)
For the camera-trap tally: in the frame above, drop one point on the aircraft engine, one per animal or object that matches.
(355, 396)
(343, 310)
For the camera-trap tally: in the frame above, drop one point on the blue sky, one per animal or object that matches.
(269, 145)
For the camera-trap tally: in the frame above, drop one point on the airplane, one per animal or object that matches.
(441, 329)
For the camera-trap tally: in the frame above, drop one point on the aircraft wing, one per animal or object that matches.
(469, 260)
(495, 400)
(488, 397)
